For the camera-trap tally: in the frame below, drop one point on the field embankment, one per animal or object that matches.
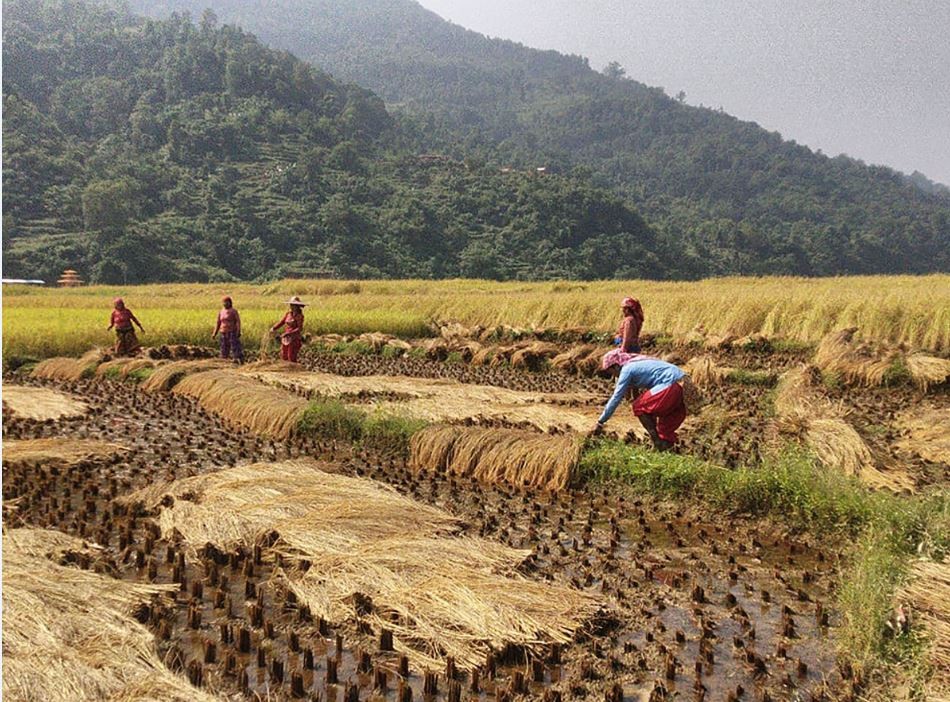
(910, 310)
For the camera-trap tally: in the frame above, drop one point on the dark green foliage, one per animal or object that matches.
(140, 150)
(725, 195)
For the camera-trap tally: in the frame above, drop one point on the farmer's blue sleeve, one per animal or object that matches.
(623, 381)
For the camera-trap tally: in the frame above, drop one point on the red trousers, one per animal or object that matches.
(668, 408)
(290, 348)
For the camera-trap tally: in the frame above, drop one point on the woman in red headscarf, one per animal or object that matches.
(229, 329)
(126, 343)
(628, 335)
(292, 338)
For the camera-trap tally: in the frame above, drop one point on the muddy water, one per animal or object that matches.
(697, 606)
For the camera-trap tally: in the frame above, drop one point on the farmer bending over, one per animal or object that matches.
(229, 327)
(126, 343)
(660, 408)
(292, 338)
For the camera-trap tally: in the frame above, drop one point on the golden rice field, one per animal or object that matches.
(912, 310)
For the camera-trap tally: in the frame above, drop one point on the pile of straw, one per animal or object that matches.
(59, 451)
(567, 360)
(926, 432)
(928, 594)
(167, 375)
(442, 594)
(704, 371)
(840, 354)
(520, 458)
(63, 368)
(802, 411)
(927, 370)
(30, 402)
(68, 635)
(244, 401)
(533, 355)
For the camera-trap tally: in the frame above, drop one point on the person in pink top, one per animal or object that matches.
(292, 323)
(126, 343)
(229, 329)
(628, 335)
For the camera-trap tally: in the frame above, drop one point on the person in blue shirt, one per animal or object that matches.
(660, 408)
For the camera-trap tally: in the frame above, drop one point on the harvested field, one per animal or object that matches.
(441, 595)
(70, 635)
(442, 400)
(245, 402)
(519, 458)
(30, 402)
(121, 367)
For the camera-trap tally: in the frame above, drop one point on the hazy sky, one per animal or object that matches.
(869, 78)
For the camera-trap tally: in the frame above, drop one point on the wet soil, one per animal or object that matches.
(697, 606)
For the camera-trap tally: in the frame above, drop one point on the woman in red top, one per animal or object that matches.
(126, 343)
(229, 327)
(292, 338)
(628, 335)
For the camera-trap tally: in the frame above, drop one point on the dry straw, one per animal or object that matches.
(167, 375)
(441, 593)
(68, 635)
(59, 451)
(804, 412)
(864, 363)
(443, 400)
(520, 458)
(38, 403)
(567, 360)
(704, 371)
(926, 432)
(244, 401)
(928, 594)
(63, 368)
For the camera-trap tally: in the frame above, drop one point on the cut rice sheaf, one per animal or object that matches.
(41, 404)
(69, 635)
(454, 595)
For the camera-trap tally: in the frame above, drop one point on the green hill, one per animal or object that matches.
(726, 195)
(157, 150)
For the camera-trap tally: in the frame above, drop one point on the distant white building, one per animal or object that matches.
(22, 281)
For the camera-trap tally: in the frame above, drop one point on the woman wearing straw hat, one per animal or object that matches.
(660, 408)
(628, 336)
(292, 338)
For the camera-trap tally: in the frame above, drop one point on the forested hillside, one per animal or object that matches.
(139, 151)
(730, 196)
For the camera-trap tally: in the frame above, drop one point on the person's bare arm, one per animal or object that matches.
(136, 320)
(237, 322)
(217, 327)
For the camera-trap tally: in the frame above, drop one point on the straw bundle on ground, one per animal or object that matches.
(590, 364)
(534, 355)
(41, 404)
(167, 375)
(926, 432)
(249, 403)
(705, 373)
(440, 593)
(520, 458)
(63, 368)
(804, 412)
(59, 451)
(68, 634)
(567, 360)
(927, 370)
(928, 594)
(123, 366)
